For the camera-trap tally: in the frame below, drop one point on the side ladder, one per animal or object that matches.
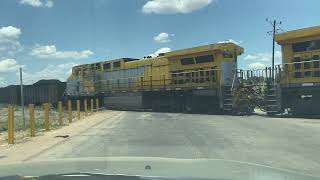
(227, 99)
(273, 99)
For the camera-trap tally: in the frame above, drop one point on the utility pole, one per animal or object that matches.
(274, 31)
(22, 99)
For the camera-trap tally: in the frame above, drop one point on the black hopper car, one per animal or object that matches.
(43, 91)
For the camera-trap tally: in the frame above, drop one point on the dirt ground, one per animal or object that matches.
(26, 147)
(21, 131)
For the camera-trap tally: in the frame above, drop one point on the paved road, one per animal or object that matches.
(292, 144)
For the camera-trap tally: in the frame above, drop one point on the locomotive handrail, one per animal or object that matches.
(233, 81)
(291, 69)
(200, 70)
(300, 62)
(119, 79)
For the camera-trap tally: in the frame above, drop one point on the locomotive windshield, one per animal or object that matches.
(306, 46)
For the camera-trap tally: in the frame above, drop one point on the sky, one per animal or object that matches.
(48, 37)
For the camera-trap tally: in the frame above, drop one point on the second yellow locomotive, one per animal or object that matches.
(194, 79)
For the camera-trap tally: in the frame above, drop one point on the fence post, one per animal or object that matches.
(78, 109)
(70, 111)
(60, 113)
(91, 105)
(10, 125)
(85, 107)
(97, 104)
(46, 116)
(32, 121)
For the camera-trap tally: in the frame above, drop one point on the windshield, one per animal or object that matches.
(161, 80)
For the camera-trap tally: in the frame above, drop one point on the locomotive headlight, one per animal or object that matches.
(306, 96)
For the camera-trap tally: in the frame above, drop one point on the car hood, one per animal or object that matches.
(153, 167)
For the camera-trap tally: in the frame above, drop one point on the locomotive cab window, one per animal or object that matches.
(315, 57)
(187, 61)
(107, 66)
(97, 66)
(204, 59)
(117, 64)
(296, 59)
(227, 55)
(306, 46)
(76, 72)
(297, 66)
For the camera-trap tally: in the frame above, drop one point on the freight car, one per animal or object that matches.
(296, 87)
(43, 91)
(195, 79)
(10, 95)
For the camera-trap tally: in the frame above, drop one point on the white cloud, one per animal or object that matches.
(174, 6)
(264, 57)
(37, 3)
(162, 50)
(8, 65)
(262, 60)
(9, 34)
(61, 72)
(9, 40)
(257, 65)
(50, 51)
(49, 4)
(163, 37)
(231, 41)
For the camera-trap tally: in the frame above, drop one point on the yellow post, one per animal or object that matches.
(85, 107)
(60, 113)
(78, 109)
(46, 116)
(97, 104)
(91, 105)
(69, 111)
(10, 125)
(32, 121)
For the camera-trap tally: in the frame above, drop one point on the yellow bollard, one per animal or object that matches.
(97, 104)
(10, 125)
(70, 111)
(78, 109)
(32, 121)
(85, 107)
(91, 105)
(46, 116)
(60, 113)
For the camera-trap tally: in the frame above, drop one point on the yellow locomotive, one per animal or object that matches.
(298, 78)
(206, 79)
(194, 79)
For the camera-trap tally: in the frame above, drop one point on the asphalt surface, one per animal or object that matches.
(285, 143)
